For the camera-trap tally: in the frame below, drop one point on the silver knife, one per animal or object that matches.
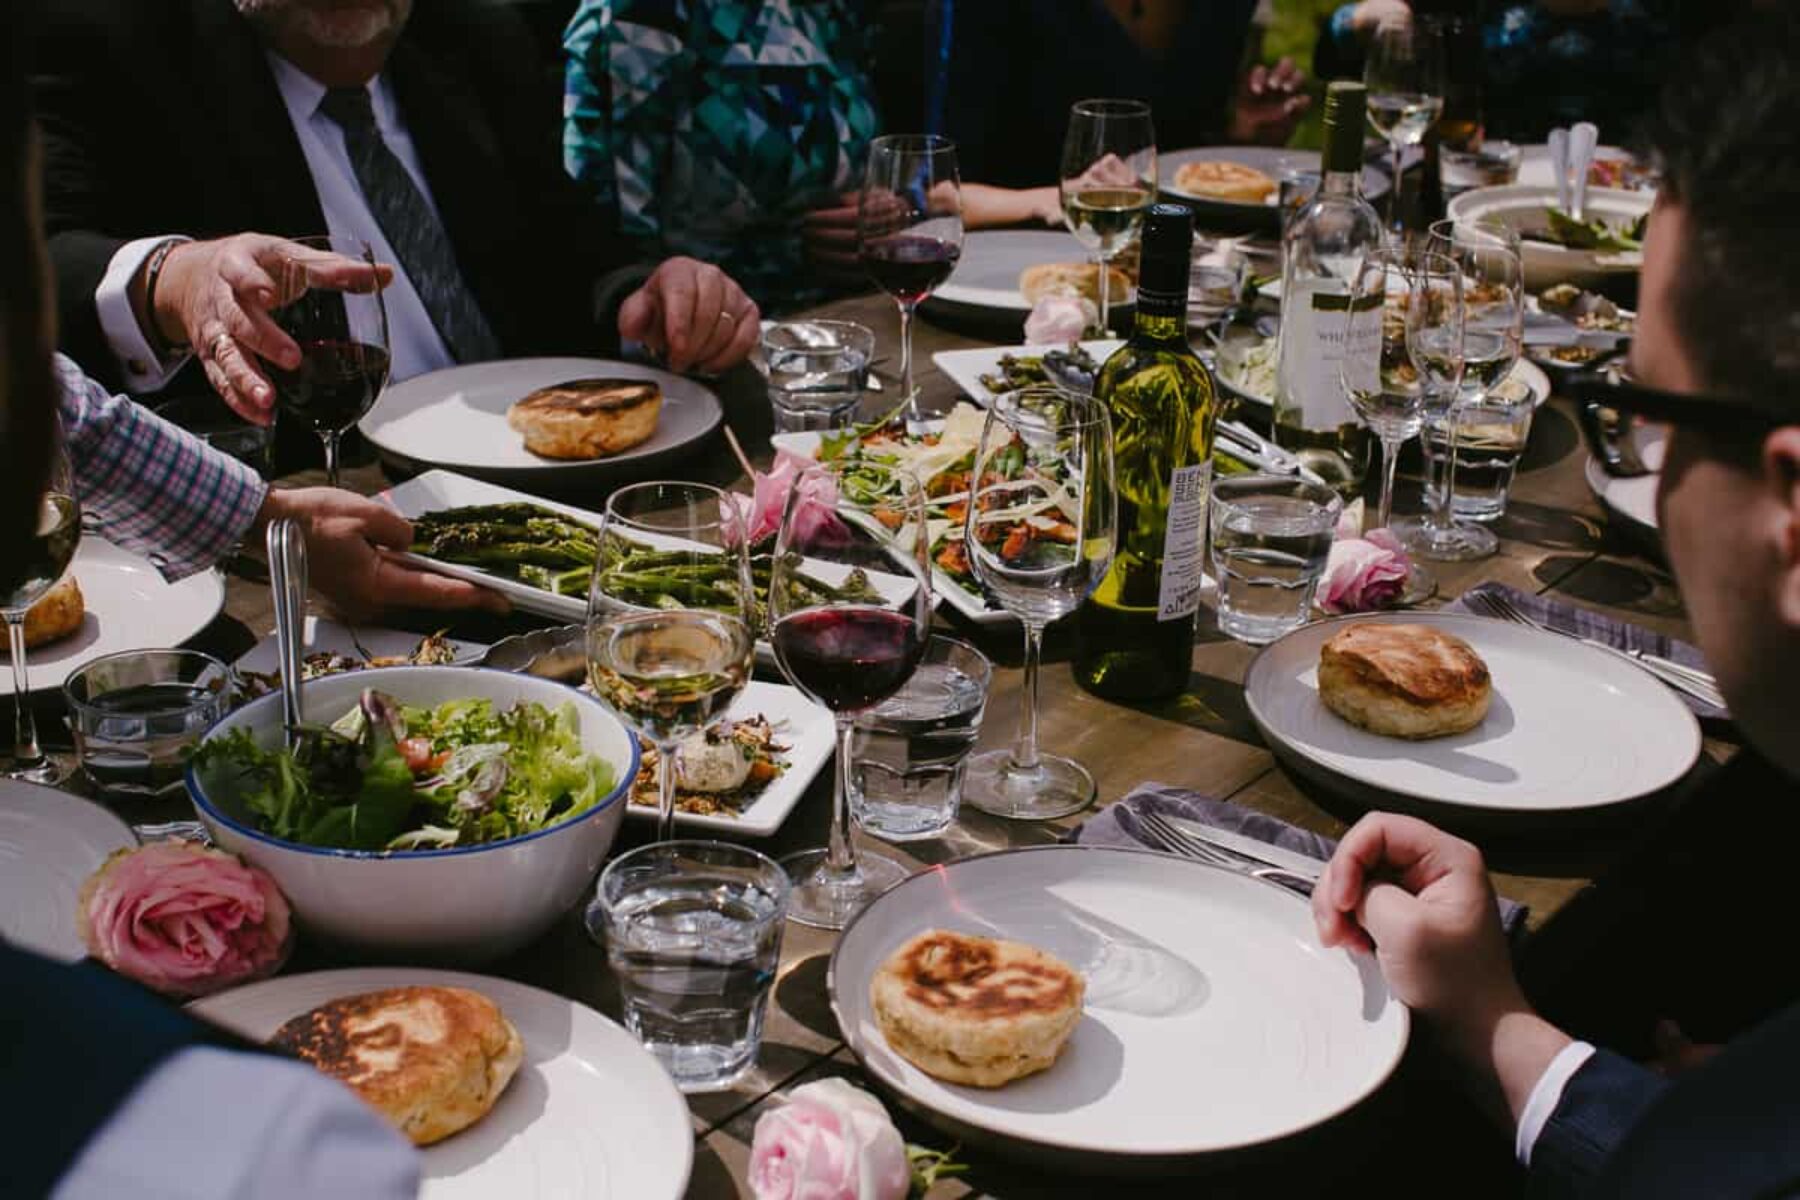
(1305, 866)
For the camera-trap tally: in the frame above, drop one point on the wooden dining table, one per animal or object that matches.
(1417, 1135)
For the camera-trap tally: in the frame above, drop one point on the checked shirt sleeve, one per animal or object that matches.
(151, 486)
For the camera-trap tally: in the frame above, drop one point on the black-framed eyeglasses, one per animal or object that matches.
(1602, 401)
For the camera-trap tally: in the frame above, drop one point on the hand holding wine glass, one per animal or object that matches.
(1040, 533)
(49, 549)
(1108, 180)
(1404, 74)
(847, 648)
(669, 673)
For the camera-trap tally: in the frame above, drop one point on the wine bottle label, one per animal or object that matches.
(1319, 336)
(1184, 541)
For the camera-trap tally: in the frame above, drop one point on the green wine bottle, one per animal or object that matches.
(1135, 635)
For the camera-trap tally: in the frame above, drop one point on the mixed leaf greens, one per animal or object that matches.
(1593, 233)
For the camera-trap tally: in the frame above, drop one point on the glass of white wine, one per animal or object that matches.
(48, 552)
(668, 673)
(1404, 74)
(1108, 180)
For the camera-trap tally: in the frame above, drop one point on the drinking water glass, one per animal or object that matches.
(693, 934)
(135, 714)
(908, 752)
(1491, 432)
(816, 371)
(1271, 535)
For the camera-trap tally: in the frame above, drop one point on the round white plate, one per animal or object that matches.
(1214, 1019)
(1271, 161)
(1569, 726)
(1634, 500)
(130, 606)
(50, 842)
(987, 274)
(589, 1114)
(1547, 263)
(457, 418)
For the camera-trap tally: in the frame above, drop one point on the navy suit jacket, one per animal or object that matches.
(1728, 1129)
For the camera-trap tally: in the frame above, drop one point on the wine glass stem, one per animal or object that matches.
(1399, 225)
(913, 415)
(1390, 458)
(1105, 296)
(665, 789)
(330, 438)
(840, 856)
(1025, 753)
(26, 754)
(1446, 510)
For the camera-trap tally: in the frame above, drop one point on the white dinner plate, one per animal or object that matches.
(589, 1113)
(987, 274)
(435, 490)
(1524, 373)
(1214, 1020)
(457, 418)
(130, 606)
(322, 635)
(966, 367)
(1632, 500)
(50, 842)
(1569, 727)
(1211, 212)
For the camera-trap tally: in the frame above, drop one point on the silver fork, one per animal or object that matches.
(1179, 841)
(1685, 679)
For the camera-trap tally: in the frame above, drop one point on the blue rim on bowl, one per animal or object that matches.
(210, 810)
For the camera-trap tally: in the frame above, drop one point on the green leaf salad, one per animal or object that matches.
(390, 777)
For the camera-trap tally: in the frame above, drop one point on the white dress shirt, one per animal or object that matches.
(414, 342)
(1546, 1094)
(213, 1124)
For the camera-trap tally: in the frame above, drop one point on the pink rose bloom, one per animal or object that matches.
(184, 919)
(1059, 320)
(1364, 573)
(817, 514)
(829, 1140)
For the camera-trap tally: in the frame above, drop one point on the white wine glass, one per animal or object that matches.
(1108, 181)
(48, 552)
(1404, 75)
(1040, 531)
(668, 673)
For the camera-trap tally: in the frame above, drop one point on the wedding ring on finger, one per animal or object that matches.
(216, 348)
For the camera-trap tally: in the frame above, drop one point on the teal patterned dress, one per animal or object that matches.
(708, 128)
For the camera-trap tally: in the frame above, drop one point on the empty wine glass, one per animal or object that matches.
(669, 673)
(1404, 75)
(1108, 180)
(1040, 531)
(47, 553)
(343, 340)
(849, 616)
(1390, 401)
(909, 231)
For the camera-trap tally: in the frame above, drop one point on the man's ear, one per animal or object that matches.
(1781, 472)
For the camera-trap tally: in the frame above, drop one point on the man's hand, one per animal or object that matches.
(1269, 104)
(829, 238)
(216, 297)
(693, 313)
(348, 544)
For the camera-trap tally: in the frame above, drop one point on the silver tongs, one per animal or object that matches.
(287, 583)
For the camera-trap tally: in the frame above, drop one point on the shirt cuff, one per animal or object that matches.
(144, 370)
(1546, 1094)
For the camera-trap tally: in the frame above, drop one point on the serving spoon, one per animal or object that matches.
(287, 583)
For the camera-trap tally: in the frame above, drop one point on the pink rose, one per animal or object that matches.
(184, 919)
(1364, 573)
(817, 513)
(829, 1140)
(1059, 320)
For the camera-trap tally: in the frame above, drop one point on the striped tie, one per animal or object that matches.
(411, 227)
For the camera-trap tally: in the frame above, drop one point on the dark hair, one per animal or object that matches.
(27, 395)
(1726, 137)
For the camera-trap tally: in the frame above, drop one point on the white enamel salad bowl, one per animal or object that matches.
(463, 905)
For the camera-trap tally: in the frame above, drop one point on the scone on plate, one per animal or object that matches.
(587, 418)
(975, 1010)
(57, 614)
(1408, 681)
(1223, 180)
(433, 1060)
(1054, 279)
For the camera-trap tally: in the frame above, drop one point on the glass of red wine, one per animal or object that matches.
(343, 339)
(909, 231)
(849, 614)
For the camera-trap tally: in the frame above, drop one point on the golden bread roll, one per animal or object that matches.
(975, 1010)
(587, 418)
(432, 1060)
(1408, 681)
(1051, 279)
(1223, 180)
(57, 614)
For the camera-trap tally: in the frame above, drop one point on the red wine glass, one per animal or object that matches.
(909, 230)
(850, 613)
(343, 340)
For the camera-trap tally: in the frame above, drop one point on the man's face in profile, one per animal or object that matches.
(336, 24)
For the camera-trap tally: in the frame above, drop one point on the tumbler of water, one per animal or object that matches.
(816, 372)
(909, 751)
(1271, 536)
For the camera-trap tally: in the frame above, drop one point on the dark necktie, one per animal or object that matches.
(411, 227)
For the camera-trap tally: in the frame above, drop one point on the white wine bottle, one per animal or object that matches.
(1135, 635)
(1320, 251)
